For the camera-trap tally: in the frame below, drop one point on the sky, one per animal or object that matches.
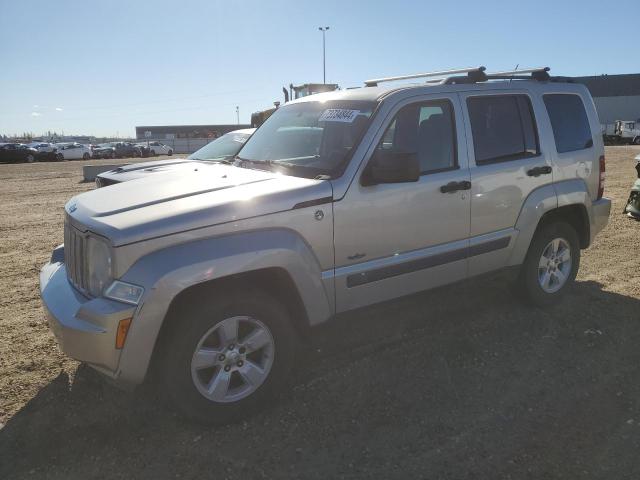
(98, 67)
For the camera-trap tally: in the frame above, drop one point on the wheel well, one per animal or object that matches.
(576, 216)
(275, 281)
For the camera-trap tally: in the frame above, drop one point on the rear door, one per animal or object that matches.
(507, 163)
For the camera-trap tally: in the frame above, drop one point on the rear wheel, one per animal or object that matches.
(227, 359)
(153, 153)
(636, 140)
(551, 264)
(170, 152)
(30, 158)
(86, 156)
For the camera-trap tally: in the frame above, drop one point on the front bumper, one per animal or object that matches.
(600, 210)
(85, 328)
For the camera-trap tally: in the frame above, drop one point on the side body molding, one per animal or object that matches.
(167, 272)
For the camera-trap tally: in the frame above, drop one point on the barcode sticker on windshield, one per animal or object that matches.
(338, 115)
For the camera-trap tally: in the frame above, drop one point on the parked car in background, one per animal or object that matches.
(42, 147)
(74, 151)
(222, 149)
(117, 150)
(157, 148)
(18, 152)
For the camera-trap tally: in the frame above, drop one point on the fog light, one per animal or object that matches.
(124, 292)
(121, 334)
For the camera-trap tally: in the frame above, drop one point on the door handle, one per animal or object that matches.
(537, 171)
(455, 186)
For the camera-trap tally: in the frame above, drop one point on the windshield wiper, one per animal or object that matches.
(214, 160)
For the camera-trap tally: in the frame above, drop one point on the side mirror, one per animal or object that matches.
(391, 167)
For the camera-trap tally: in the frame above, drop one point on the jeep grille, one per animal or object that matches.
(74, 257)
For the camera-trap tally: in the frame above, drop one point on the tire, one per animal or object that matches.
(170, 152)
(186, 382)
(153, 153)
(86, 156)
(636, 141)
(30, 158)
(543, 281)
(112, 155)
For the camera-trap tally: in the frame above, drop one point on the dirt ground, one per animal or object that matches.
(460, 383)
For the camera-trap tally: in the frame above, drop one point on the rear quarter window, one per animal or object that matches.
(569, 122)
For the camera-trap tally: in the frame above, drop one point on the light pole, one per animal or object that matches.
(324, 62)
(238, 114)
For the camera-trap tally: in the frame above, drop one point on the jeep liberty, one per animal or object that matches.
(211, 277)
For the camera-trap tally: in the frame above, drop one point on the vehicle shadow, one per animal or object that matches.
(461, 379)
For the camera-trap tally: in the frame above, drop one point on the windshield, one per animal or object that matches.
(227, 146)
(308, 139)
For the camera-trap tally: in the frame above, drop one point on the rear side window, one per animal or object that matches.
(569, 122)
(503, 128)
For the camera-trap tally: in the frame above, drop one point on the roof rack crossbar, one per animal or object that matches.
(476, 72)
(539, 73)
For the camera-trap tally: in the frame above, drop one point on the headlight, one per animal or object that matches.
(98, 265)
(124, 292)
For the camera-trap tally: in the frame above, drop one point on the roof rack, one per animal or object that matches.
(473, 73)
(539, 73)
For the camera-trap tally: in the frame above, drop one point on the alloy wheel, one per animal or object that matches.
(554, 267)
(232, 359)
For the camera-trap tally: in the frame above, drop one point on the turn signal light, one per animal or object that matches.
(121, 334)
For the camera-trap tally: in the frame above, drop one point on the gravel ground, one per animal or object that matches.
(461, 382)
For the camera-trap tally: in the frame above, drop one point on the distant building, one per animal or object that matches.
(617, 97)
(172, 132)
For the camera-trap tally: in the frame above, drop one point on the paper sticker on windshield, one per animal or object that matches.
(339, 115)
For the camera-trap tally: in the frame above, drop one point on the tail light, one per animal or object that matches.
(602, 177)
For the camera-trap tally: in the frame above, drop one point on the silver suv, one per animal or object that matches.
(211, 277)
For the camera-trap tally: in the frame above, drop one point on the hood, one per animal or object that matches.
(159, 205)
(139, 170)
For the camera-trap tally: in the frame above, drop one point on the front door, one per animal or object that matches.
(398, 238)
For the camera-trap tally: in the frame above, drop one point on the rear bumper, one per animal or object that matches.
(600, 210)
(84, 328)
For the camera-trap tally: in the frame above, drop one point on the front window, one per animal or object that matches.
(222, 148)
(308, 139)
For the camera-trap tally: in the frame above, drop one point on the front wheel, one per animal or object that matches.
(551, 264)
(86, 156)
(170, 152)
(636, 140)
(229, 357)
(30, 158)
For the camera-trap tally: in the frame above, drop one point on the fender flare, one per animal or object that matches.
(542, 201)
(167, 272)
